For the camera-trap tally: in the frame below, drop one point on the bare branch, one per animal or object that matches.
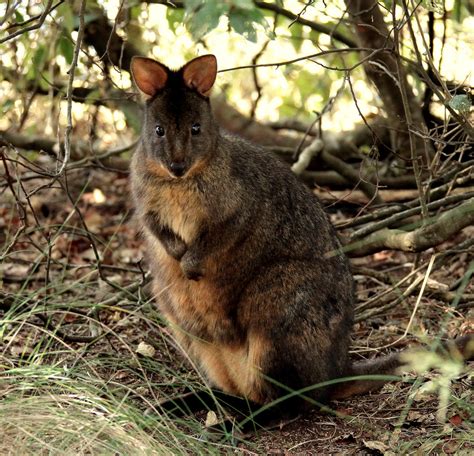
(36, 26)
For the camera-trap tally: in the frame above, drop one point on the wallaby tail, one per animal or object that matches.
(461, 348)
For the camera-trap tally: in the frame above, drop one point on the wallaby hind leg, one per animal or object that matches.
(306, 344)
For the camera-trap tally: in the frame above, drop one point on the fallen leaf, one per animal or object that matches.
(456, 420)
(145, 349)
(211, 419)
(383, 255)
(375, 445)
(20, 351)
(343, 411)
(14, 270)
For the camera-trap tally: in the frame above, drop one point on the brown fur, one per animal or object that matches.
(247, 269)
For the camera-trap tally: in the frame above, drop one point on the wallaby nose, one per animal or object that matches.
(178, 168)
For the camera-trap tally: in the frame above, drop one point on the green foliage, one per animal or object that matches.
(202, 17)
(174, 16)
(296, 31)
(244, 17)
(39, 57)
(244, 21)
(65, 47)
(437, 6)
(462, 9)
(65, 12)
(460, 103)
(6, 105)
(37, 64)
(19, 17)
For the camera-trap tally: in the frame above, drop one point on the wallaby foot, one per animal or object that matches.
(240, 415)
(193, 401)
(238, 430)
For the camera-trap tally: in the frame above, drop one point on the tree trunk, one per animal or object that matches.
(387, 73)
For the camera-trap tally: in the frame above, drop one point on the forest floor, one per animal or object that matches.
(59, 312)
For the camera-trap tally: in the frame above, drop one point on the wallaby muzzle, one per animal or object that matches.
(178, 169)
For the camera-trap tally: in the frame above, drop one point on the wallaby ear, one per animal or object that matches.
(200, 73)
(149, 75)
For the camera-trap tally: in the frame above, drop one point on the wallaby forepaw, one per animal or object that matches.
(191, 270)
(195, 275)
(192, 267)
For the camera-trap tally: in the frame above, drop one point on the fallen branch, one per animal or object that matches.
(389, 221)
(448, 184)
(437, 230)
(306, 155)
(82, 154)
(333, 179)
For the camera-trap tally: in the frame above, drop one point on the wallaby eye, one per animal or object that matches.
(159, 130)
(196, 129)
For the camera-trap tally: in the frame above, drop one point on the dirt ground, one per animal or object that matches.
(391, 421)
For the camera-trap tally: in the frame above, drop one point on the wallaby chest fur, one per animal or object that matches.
(274, 295)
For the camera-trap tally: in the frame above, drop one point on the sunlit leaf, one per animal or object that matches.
(314, 37)
(93, 96)
(460, 103)
(7, 105)
(18, 17)
(434, 5)
(244, 22)
(66, 48)
(244, 4)
(296, 31)
(239, 22)
(65, 12)
(39, 57)
(135, 12)
(192, 5)
(205, 18)
(174, 16)
(131, 118)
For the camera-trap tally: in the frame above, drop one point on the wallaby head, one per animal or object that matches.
(179, 131)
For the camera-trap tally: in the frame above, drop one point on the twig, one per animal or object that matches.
(408, 213)
(311, 57)
(258, 88)
(72, 69)
(321, 28)
(443, 95)
(293, 124)
(372, 307)
(411, 124)
(53, 148)
(417, 303)
(318, 120)
(305, 157)
(435, 193)
(38, 16)
(36, 26)
(352, 176)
